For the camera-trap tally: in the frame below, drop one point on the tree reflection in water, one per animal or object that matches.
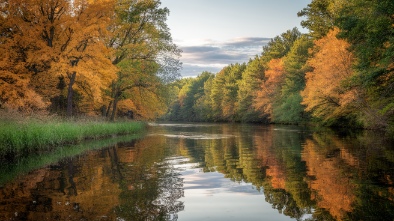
(303, 175)
(153, 198)
(122, 182)
(151, 185)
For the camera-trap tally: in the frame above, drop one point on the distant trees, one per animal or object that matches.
(257, 91)
(339, 74)
(117, 56)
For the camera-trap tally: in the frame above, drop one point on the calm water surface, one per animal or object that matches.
(208, 172)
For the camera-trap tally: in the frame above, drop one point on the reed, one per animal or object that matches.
(19, 138)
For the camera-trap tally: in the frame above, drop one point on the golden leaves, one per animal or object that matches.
(15, 93)
(47, 39)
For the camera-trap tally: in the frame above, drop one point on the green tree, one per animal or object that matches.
(288, 108)
(195, 90)
(279, 46)
(321, 16)
(140, 34)
(268, 97)
(230, 92)
(203, 105)
(176, 101)
(138, 89)
(368, 27)
(248, 85)
(218, 84)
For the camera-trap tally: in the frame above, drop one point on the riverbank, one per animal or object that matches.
(20, 138)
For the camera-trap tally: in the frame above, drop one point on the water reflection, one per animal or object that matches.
(213, 172)
(122, 182)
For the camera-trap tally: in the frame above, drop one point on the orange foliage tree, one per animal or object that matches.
(270, 88)
(50, 39)
(325, 94)
(82, 53)
(17, 47)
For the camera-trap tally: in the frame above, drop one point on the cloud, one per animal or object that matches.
(202, 49)
(213, 56)
(247, 42)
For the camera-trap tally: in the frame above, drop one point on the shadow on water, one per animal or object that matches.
(10, 170)
(299, 174)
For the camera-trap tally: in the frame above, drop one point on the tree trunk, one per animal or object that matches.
(70, 93)
(103, 110)
(108, 109)
(114, 108)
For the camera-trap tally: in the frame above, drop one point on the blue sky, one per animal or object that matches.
(216, 33)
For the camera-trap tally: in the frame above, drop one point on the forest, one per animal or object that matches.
(340, 73)
(117, 58)
(86, 57)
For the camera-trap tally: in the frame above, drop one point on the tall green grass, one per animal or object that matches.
(19, 138)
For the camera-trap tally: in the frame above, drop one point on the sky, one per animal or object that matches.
(215, 33)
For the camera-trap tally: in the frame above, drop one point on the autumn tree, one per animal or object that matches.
(325, 94)
(60, 38)
(64, 48)
(17, 45)
(270, 88)
(83, 50)
(140, 35)
(268, 97)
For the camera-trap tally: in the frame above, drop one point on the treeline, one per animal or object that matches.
(341, 73)
(86, 57)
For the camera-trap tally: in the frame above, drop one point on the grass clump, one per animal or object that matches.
(18, 138)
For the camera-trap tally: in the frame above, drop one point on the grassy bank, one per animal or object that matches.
(19, 138)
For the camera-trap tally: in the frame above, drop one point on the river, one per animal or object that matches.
(207, 172)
